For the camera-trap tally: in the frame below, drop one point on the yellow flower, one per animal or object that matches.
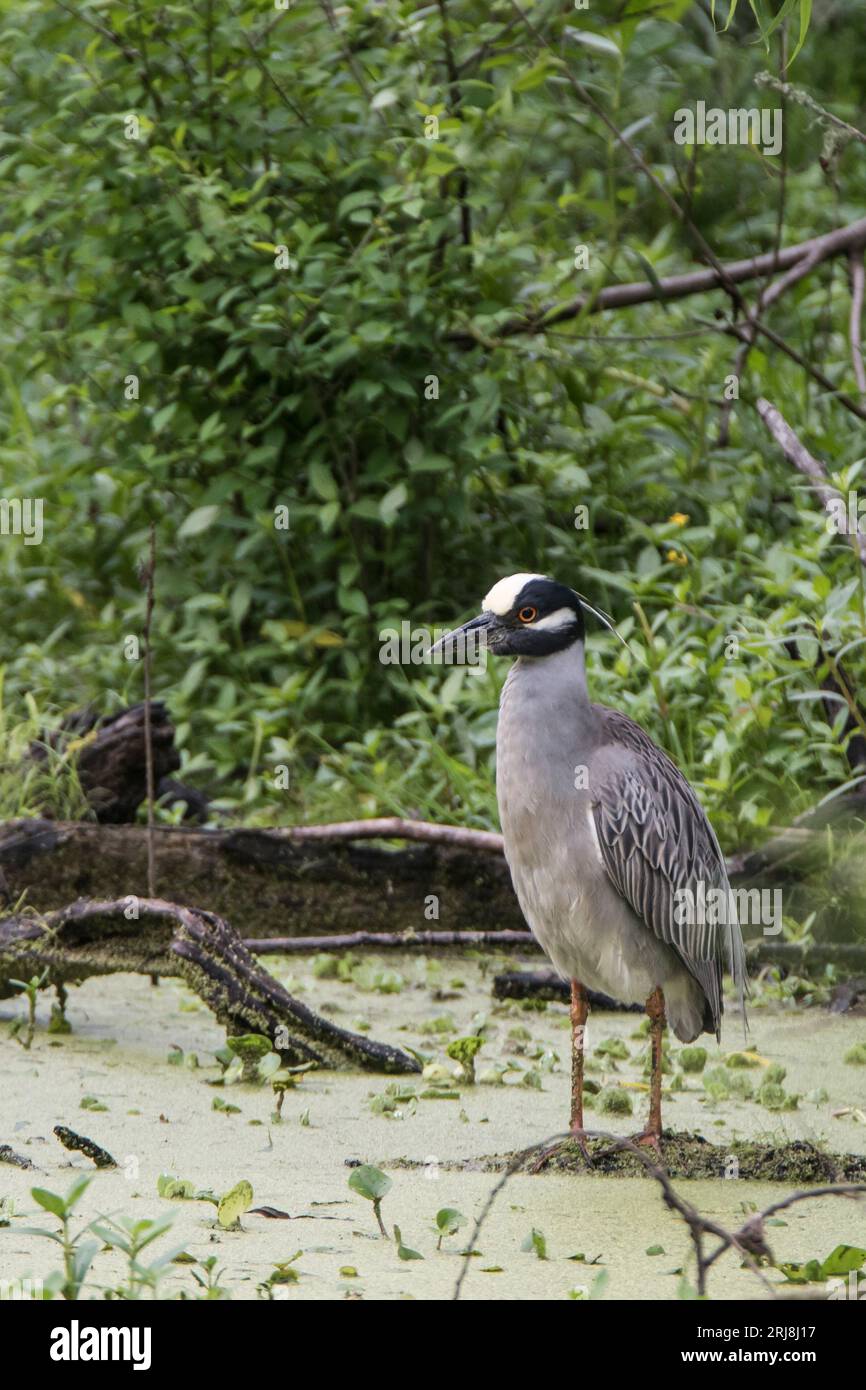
(678, 519)
(676, 557)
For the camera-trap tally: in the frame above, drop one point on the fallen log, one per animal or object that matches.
(153, 937)
(324, 880)
(787, 956)
(547, 985)
(394, 941)
(265, 882)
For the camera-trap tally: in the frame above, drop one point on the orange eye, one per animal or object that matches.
(528, 615)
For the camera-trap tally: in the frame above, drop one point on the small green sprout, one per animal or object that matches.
(219, 1104)
(31, 989)
(464, 1051)
(91, 1103)
(773, 1096)
(717, 1083)
(448, 1222)
(536, 1242)
(254, 1053)
(373, 1184)
(175, 1189)
(404, 1252)
(614, 1048)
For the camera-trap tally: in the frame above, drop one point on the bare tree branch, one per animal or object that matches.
(797, 453)
(673, 287)
(394, 828)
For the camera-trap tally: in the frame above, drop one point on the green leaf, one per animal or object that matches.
(843, 1259)
(403, 1251)
(395, 499)
(197, 521)
(536, 1241)
(369, 1182)
(599, 43)
(233, 1204)
(322, 482)
(449, 1220)
(50, 1201)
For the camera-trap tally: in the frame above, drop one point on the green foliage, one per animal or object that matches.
(536, 1242)
(693, 1059)
(233, 1204)
(839, 1262)
(233, 263)
(613, 1101)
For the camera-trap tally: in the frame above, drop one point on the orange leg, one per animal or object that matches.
(579, 1015)
(655, 1007)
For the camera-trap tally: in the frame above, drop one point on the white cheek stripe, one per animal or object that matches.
(561, 618)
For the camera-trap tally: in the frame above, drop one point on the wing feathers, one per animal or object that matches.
(656, 842)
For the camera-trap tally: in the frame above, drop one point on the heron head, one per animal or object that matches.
(524, 615)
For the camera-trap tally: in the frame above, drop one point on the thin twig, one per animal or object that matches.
(149, 573)
(858, 277)
(768, 296)
(804, 98)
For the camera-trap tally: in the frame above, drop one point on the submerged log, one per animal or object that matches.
(153, 937)
(787, 956)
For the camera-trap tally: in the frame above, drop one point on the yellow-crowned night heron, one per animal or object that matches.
(610, 851)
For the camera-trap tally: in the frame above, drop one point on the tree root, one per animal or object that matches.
(153, 937)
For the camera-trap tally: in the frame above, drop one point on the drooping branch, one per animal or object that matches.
(804, 98)
(154, 937)
(797, 453)
(672, 287)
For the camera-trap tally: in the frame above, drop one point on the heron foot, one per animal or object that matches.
(651, 1138)
(578, 1137)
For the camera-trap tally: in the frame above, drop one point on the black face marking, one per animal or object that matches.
(512, 635)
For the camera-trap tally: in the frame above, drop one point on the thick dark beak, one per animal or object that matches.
(479, 626)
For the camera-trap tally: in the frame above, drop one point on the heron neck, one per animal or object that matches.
(554, 679)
